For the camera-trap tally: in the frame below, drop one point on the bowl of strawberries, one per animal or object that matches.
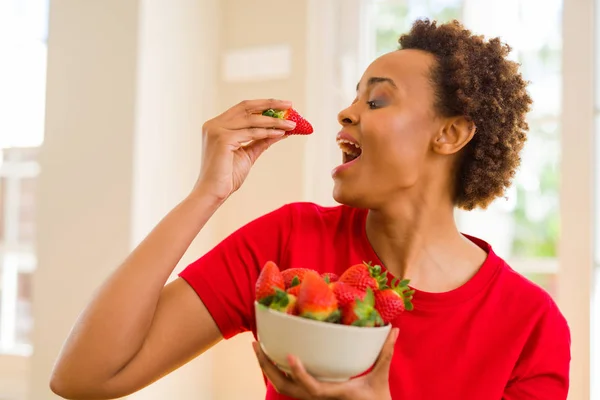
(335, 325)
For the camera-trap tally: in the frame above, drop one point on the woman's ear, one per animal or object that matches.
(455, 134)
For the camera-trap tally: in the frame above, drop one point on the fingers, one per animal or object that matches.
(260, 121)
(277, 378)
(256, 148)
(244, 123)
(246, 135)
(260, 105)
(382, 366)
(313, 387)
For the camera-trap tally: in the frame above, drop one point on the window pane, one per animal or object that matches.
(1, 295)
(21, 154)
(536, 212)
(27, 211)
(395, 17)
(24, 323)
(2, 207)
(597, 191)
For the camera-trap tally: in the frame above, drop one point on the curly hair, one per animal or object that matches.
(473, 78)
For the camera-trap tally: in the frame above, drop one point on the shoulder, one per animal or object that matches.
(529, 299)
(517, 297)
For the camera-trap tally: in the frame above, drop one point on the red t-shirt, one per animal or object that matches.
(499, 336)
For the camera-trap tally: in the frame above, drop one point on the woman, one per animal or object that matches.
(440, 124)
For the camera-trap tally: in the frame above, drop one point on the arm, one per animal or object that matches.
(135, 329)
(542, 371)
(122, 327)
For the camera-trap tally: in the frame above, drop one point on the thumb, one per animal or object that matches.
(381, 370)
(257, 147)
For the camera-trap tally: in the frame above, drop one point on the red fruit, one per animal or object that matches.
(330, 277)
(303, 127)
(269, 280)
(316, 300)
(284, 302)
(362, 312)
(392, 301)
(293, 276)
(365, 275)
(294, 290)
(346, 294)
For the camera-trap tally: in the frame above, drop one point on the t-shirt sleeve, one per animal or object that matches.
(542, 371)
(224, 278)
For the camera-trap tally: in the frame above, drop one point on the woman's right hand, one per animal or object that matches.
(233, 141)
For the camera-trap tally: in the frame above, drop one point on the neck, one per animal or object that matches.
(419, 239)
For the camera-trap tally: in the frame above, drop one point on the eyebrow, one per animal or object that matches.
(378, 79)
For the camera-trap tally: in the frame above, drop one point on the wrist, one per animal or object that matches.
(205, 198)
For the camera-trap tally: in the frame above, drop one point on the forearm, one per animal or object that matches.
(112, 329)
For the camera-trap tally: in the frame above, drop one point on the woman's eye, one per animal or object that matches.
(374, 104)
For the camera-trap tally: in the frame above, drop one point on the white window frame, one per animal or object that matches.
(575, 262)
(16, 258)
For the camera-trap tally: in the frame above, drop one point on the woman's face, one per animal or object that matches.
(392, 124)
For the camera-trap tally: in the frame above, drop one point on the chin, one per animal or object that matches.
(349, 197)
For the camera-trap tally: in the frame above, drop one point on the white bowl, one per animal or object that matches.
(329, 352)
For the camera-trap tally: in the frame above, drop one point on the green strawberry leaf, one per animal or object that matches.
(266, 301)
(334, 317)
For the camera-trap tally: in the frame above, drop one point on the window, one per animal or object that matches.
(523, 227)
(18, 173)
(23, 26)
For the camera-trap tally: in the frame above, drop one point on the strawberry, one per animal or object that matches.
(361, 311)
(316, 300)
(284, 302)
(330, 277)
(293, 276)
(269, 280)
(294, 290)
(365, 275)
(392, 301)
(346, 294)
(303, 127)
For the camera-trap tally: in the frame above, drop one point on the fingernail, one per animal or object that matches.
(291, 360)
(277, 132)
(291, 124)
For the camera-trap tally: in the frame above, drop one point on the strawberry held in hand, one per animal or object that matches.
(268, 282)
(392, 301)
(303, 127)
(316, 300)
(364, 275)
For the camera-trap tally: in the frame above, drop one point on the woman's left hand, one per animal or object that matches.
(300, 385)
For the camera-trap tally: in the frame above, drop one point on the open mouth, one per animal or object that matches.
(350, 150)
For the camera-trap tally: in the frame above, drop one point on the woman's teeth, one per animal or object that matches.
(349, 148)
